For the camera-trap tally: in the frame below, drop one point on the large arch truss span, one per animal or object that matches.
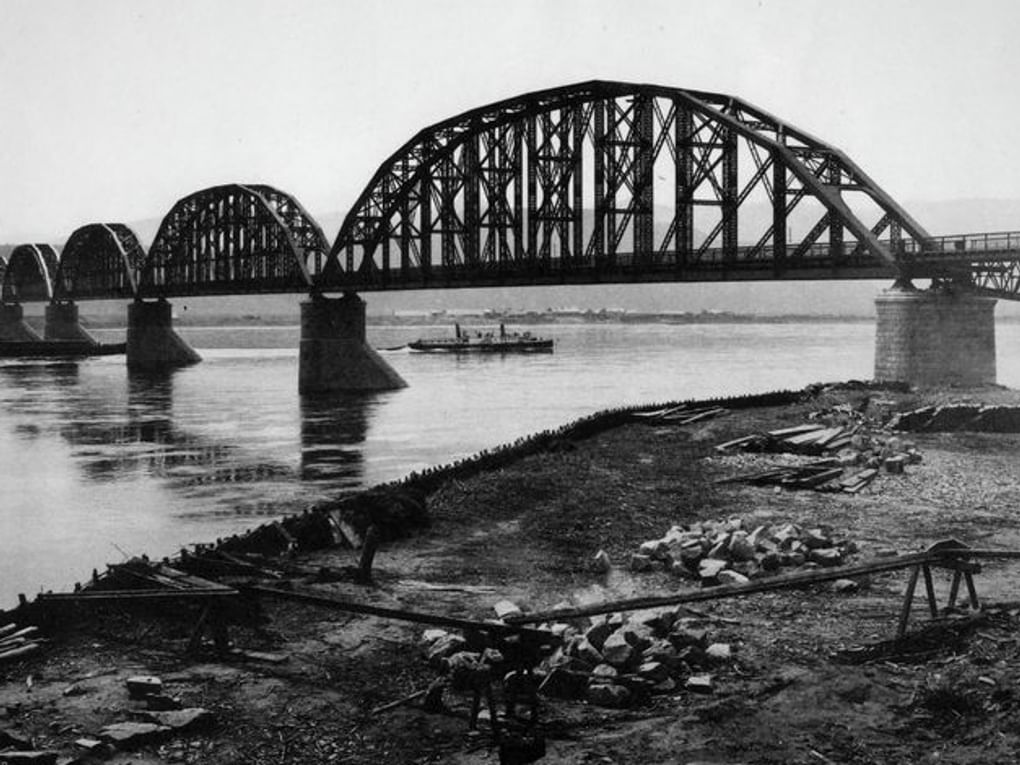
(100, 260)
(616, 181)
(233, 239)
(30, 273)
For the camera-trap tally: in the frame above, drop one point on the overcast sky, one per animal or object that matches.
(111, 110)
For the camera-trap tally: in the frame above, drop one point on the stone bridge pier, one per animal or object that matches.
(934, 337)
(334, 356)
(152, 343)
(13, 327)
(62, 323)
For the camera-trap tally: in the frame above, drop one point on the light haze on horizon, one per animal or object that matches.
(114, 109)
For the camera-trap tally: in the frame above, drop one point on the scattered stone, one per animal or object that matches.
(845, 586)
(699, 684)
(719, 652)
(444, 648)
(129, 734)
(182, 719)
(141, 686)
(74, 689)
(653, 671)
(602, 562)
(730, 577)
(597, 633)
(640, 563)
(709, 570)
(617, 650)
(432, 635)
(826, 556)
(584, 650)
(604, 673)
(505, 608)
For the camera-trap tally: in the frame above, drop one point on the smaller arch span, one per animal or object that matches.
(30, 273)
(234, 238)
(100, 260)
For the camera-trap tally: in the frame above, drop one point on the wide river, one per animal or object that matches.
(99, 464)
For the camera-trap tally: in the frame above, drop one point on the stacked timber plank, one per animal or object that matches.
(17, 643)
(678, 415)
(841, 446)
(811, 438)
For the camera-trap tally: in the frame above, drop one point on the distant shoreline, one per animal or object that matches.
(493, 318)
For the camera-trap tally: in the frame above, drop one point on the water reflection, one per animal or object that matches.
(144, 438)
(333, 427)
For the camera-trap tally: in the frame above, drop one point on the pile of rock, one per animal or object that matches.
(730, 552)
(616, 661)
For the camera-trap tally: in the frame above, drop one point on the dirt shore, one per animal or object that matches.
(528, 532)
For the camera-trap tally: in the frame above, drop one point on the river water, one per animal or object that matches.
(99, 464)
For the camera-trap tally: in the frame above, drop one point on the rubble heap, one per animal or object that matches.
(730, 552)
(616, 661)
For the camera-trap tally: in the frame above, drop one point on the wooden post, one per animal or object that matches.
(908, 601)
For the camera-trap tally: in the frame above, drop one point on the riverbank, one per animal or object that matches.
(524, 524)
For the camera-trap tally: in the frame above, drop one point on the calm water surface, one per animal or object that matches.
(99, 464)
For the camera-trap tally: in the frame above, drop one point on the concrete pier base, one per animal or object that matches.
(152, 343)
(334, 355)
(13, 327)
(62, 324)
(934, 338)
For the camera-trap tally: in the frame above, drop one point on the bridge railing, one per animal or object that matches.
(993, 243)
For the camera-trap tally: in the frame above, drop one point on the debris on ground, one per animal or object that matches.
(733, 552)
(678, 415)
(845, 440)
(949, 417)
(611, 661)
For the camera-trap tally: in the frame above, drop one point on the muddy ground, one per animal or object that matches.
(528, 532)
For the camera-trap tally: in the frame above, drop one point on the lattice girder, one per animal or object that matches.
(30, 272)
(99, 261)
(603, 176)
(233, 239)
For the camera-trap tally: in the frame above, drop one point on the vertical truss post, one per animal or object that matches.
(643, 179)
(778, 215)
(447, 214)
(598, 237)
(425, 227)
(835, 222)
(683, 210)
(577, 172)
(613, 180)
(729, 195)
(472, 224)
(518, 168)
(532, 191)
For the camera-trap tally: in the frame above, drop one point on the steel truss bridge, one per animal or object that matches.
(596, 182)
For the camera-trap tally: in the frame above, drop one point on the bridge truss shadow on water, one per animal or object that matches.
(115, 433)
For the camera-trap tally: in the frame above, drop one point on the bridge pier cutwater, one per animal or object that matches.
(334, 356)
(62, 323)
(934, 337)
(152, 343)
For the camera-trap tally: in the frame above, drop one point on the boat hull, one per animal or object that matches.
(496, 346)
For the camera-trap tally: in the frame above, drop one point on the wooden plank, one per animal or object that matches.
(783, 432)
(402, 614)
(771, 584)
